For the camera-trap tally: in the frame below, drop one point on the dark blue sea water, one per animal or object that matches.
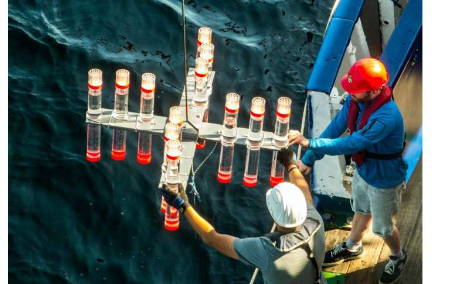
(71, 221)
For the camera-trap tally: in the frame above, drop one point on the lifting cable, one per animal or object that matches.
(254, 276)
(185, 73)
(192, 183)
(186, 68)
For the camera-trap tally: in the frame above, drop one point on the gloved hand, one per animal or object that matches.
(178, 200)
(285, 157)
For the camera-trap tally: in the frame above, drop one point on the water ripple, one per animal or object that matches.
(71, 221)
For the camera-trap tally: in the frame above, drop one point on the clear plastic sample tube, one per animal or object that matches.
(147, 97)
(171, 132)
(277, 170)
(282, 122)
(226, 160)
(252, 162)
(207, 53)
(119, 144)
(232, 107)
(176, 115)
(172, 220)
(94, 93)
(204, 36)
(256, 119)
(121, 94)
(93, 142)
(144, 155)
(200, 81)
(254, 139)
(200, 144)
(173, 156)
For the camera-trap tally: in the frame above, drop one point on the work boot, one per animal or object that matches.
(393, 269)
(341, 253)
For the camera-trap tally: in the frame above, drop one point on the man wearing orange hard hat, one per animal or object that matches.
(376, 142)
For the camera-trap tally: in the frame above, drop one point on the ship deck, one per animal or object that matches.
(409, 222)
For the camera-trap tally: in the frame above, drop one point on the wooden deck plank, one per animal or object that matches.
(413, 273)
(373, 278)
(360, 269)
(334, 237)
(409, 222)
(411, 206)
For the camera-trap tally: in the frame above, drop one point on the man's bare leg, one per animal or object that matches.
(394, 241)
(360, 225)
(352, 248)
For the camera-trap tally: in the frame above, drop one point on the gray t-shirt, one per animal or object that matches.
(286, 262)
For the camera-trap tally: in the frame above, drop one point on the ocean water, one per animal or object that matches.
(71, 221)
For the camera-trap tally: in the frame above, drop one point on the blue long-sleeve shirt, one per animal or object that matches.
(383, 134)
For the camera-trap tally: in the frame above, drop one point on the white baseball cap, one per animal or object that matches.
(286, 204)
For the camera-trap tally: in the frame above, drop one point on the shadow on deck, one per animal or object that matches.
(409, 222)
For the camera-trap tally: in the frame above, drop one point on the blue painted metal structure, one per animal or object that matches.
(413, 152)
(396, 55)
(402, 41)
(334, 46)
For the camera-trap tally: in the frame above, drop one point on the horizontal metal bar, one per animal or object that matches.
(208, 131)
(131, 123)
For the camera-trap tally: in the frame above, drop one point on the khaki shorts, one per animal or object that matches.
(381, 203)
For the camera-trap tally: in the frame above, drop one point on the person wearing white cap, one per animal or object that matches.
(294, 254)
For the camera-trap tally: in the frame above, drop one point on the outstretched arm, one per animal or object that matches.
(298, 179)
(221, 242)
(377, 129)
(285, 157)
(335, 128)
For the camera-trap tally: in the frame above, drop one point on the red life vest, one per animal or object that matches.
(384, 97)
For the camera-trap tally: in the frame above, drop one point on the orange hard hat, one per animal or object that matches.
(365, 75)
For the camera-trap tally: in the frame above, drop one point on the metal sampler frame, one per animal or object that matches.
(208, 131)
